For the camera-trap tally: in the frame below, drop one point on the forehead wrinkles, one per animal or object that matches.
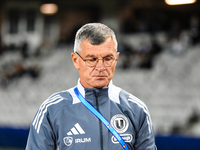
(107, 46)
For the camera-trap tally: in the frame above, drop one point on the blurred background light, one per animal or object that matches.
(179, 2)
(49, 9)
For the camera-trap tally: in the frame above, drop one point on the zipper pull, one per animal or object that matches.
(96, 92)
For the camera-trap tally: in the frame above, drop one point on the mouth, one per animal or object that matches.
(100, 76)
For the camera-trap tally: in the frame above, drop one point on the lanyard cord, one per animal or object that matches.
(98, 115)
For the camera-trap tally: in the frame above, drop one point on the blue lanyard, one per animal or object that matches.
(98, 115)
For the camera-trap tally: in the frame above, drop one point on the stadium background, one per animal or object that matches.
(159, 62)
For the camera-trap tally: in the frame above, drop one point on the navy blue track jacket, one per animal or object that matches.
(63, 122)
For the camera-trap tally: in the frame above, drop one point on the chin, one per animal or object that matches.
(101, 85)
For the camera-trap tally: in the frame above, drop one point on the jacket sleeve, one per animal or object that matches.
(41, 135)
(145, 139)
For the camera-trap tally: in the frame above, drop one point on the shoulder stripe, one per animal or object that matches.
(75, 98)
(144, 107)
(43, 109)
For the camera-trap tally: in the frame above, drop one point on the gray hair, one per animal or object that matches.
(96, 33)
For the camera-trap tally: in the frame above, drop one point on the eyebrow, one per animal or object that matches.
(87, 56)
(90, 56)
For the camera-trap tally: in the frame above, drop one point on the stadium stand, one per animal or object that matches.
(170, 89)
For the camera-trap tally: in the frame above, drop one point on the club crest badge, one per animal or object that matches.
(68, 140)
(120, 123)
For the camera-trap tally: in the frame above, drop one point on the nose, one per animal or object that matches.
(100, 65)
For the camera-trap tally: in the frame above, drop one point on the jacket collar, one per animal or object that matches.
(112, 90)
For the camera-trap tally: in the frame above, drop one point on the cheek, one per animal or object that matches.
(86, 72)
(111, 72)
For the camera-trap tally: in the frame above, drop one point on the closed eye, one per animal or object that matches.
(108, 58)
(92, 59)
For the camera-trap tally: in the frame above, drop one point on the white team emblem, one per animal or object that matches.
(120, 123)
(68, 141)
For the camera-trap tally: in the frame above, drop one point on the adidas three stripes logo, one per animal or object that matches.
(76, 130)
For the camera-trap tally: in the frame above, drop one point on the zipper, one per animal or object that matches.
(100, 124)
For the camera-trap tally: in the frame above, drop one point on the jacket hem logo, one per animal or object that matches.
(125, 137)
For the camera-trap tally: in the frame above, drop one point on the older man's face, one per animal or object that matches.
(98, 76)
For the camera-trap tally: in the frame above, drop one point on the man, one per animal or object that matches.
(63, 122)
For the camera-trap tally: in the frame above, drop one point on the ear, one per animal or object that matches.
(117, 55)
(75, 60)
